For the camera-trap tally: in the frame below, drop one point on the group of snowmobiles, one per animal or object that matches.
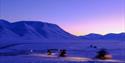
(101, 54)
(62, 53)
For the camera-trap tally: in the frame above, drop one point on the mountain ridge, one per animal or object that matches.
(42, 30)
(36, 29)
(109, 36)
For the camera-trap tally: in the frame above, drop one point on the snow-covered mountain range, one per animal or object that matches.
(110, 36)
(32, 30)
(36, 30)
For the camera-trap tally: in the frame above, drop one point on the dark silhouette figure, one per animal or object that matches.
(93, 46)
(103, 54)
(49, 52)
(62, 53)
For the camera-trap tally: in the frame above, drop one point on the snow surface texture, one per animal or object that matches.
(43, 58)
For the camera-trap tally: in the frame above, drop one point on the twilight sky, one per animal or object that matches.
(78, 17)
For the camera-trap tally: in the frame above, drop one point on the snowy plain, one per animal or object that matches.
(28, 42)
(77, 52)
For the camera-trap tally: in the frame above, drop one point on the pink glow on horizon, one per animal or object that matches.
(100, 26)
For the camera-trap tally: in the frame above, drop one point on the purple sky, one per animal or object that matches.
(78, 17)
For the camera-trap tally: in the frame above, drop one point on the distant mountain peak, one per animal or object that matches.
(109, 36)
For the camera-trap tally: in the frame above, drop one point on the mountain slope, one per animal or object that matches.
(110, 36)
(33, 30)
(36, 30)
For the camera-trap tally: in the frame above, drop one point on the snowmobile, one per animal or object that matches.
(103, 54)
(62, 53)
(49, 52)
